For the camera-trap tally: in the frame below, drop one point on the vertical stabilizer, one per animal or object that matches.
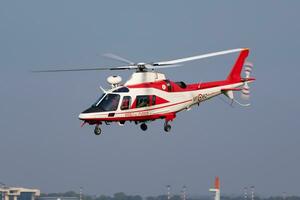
(235, 73)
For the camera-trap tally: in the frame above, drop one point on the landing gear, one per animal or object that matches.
(167, 127)
(97, 130)
(144, 126)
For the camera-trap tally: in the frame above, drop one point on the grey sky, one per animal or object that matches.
(43, 146)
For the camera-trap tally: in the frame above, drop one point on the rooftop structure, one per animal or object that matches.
(17, 193)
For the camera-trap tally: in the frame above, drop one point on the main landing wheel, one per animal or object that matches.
(144, 126)
(97, 130)
(167, 127)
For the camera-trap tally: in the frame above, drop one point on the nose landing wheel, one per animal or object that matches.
(97, 130)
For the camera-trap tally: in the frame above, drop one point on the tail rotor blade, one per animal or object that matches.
(248, 69)
(245, 92)
(245, 97)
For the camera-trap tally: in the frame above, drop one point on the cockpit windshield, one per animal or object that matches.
(122, 89)
(98, 100)
(109, 102)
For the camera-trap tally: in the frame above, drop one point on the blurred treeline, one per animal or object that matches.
(123, 196)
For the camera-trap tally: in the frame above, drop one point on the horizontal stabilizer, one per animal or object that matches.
(231, 89)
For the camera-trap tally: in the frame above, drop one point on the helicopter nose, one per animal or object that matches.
(88, 113)
(82, 116)
(85, 115)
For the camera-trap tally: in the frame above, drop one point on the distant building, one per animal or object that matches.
(16, 193)
(58, 198)
(216, 189)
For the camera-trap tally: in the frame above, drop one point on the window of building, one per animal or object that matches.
(126, 103)
(142, 101)
(25, 196)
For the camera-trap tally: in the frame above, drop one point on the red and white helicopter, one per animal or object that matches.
(148, 95)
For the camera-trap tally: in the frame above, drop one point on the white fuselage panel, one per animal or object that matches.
(143, 77)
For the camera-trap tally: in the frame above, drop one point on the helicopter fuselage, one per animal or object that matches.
(149, 95)
(158, 99)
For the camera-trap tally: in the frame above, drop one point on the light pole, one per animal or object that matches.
(252, 192)
(284, 195)
(184, 192)
(245, 193)
(168, 191)
(80, 193)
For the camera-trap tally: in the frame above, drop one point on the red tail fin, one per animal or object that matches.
(235, 74)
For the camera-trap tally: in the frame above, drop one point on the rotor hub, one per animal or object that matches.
(141, 67)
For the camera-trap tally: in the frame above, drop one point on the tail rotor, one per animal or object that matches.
(245, 95)
(248, 69)
(245, 92)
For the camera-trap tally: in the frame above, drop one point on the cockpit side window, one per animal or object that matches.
(126, 103)
(142, 101)
(153, 101)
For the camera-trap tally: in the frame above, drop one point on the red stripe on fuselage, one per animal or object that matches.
(189, 87)
(174, 104)
(131, 112)
(134, 118)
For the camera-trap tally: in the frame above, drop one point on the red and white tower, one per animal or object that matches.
(216, 189)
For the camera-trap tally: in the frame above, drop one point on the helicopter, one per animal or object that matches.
(148, 95)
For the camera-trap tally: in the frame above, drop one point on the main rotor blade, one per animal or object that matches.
(85, 69)
(118, 58)
(171, 62)
(163, 66)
